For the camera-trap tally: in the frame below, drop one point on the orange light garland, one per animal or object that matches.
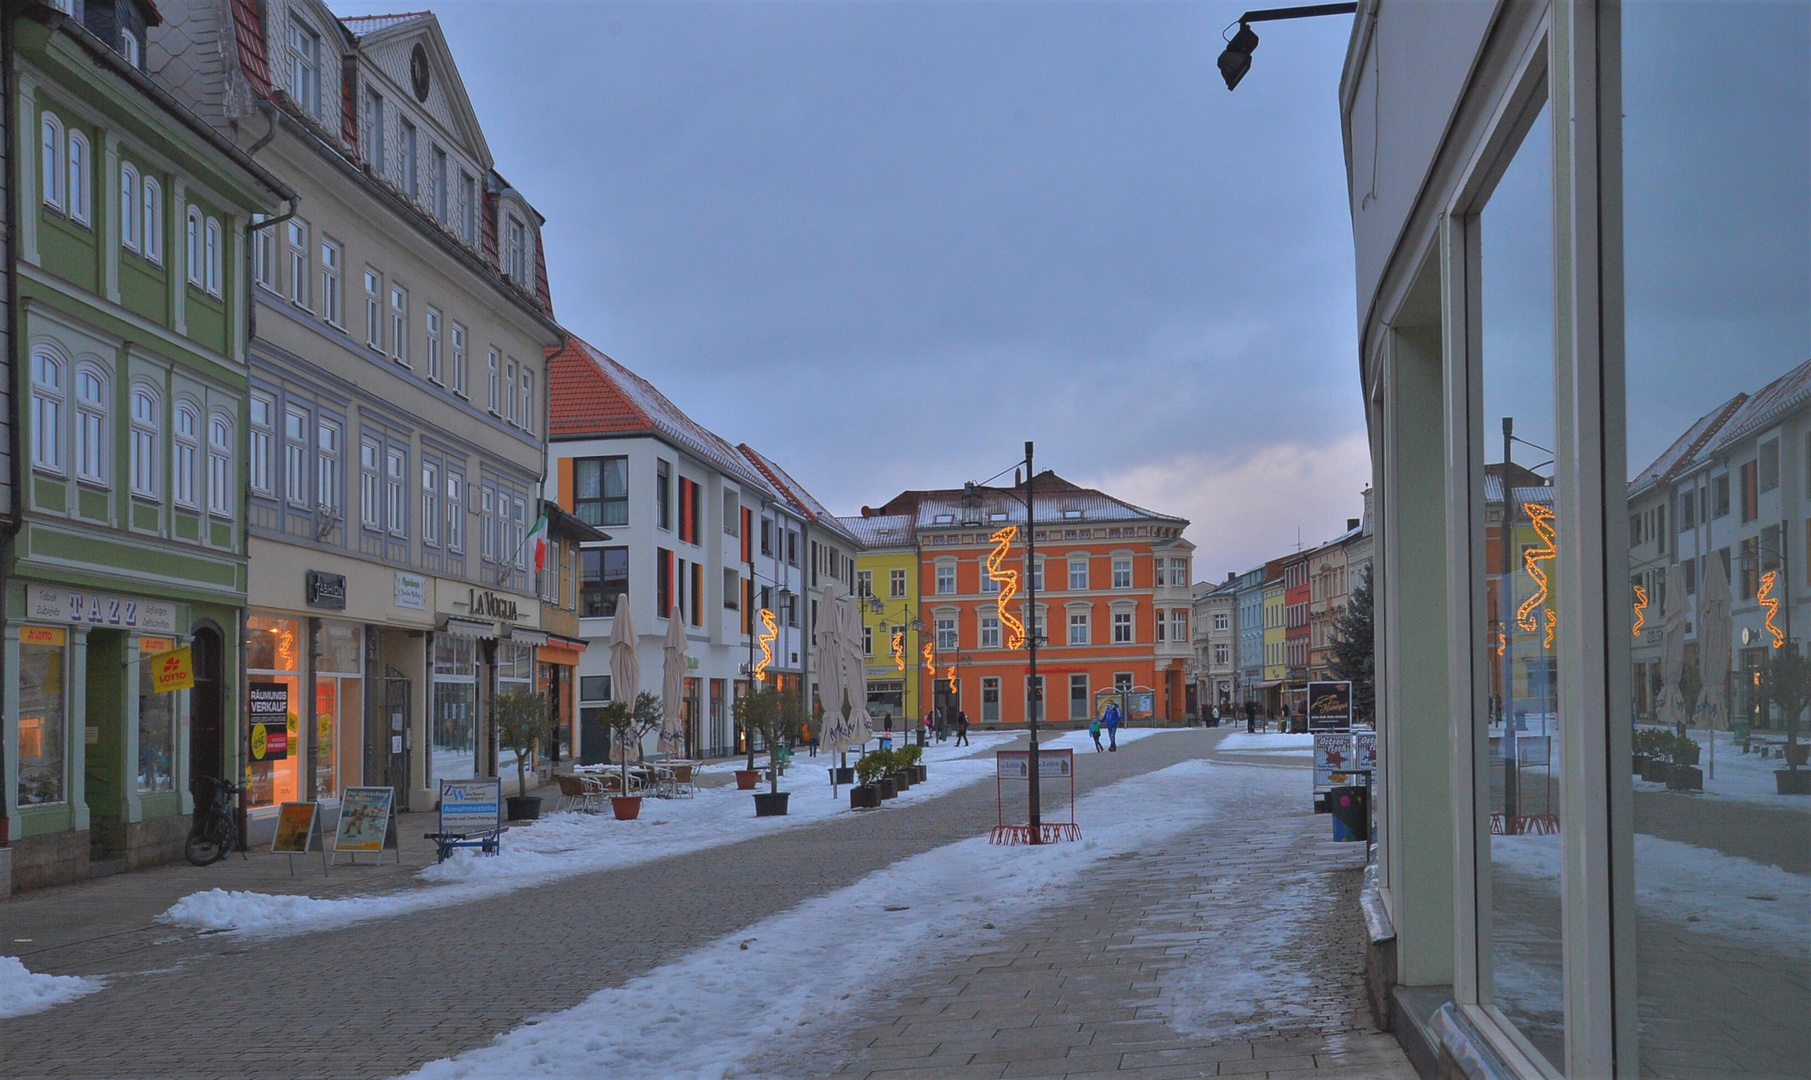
(1541, 517)
(1502, 642)
(770, 630)
(1552, 624)
(1772, 604)
(1008, 581)
(1641, 603)
(899, 648)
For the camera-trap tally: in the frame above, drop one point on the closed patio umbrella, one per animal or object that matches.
(625, 668)
(1713, 647)
(826, 660)
(855, 671)
(672, 685)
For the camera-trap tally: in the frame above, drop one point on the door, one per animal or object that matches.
(103, 730)
(396, 689)
(207, 714)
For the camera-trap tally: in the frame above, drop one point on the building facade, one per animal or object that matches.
(557, 576)
(1250, 622)
(130, 537)
(887, 576)
(1276, 657)
(1583, 347)
(1217, 670)
(1328, 586)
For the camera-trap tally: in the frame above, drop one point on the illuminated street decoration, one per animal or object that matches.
(899, 648)
(1772, 604)
(949, 675)
(1541, 517)
(1008, 580)
(1641, 603)
(770, 630)
(1502, 642)
(1552, 622)
(930, 663)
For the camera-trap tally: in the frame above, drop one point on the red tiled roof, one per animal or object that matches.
(248, 32)
(592, 394)
(795, 492)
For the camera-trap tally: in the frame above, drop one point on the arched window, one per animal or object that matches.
(147, 424)
(47, 411)
(90, 424)
(187, 449)
(212, 244)
(220, 465)
(78, 177)
(195, 268)
(128, 206)
(50, 148)
(151, 232)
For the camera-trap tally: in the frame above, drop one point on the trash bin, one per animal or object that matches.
(1351, 811)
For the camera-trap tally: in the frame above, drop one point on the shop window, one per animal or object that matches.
(514, 675)
(454, 740)
(157, 722)
(1080, 707)
(274, 656)
(43, 715)
(990, 699)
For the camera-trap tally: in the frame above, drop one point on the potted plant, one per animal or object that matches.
(1786, 681)
(1683, 773)
(881, 762)
(772, 713)
(869, 770)
(910, 758)
(522, 723)
(629, 725)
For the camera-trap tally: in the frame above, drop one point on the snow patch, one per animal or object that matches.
(1266, 742)
(23, 992)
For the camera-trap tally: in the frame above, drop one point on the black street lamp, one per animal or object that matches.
(1235, 61)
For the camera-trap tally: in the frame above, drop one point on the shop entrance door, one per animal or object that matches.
(104, 736)
(395, 734)
(206, 713)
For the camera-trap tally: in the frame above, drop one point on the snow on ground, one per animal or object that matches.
(1274, 742)
(1080, 740)
(803, 762)
(23, 992)
(1716, 893)
(563, 845)
(1739, 776)
(799, 976)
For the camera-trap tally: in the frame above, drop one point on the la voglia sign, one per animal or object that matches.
(487, 604)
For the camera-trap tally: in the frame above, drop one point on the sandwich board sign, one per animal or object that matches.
(296, 832)
(364, 822)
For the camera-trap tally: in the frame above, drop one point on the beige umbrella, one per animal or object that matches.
(672, 685)
(1713, 644)
(826, 656)
(625, 669)
(1671, 707)
(855, 670)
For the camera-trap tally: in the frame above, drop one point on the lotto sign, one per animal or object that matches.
(173, 670)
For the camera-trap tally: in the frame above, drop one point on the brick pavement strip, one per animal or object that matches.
(401, 989)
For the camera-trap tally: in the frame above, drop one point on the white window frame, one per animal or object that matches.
(1178, 624)
(509, 392)
(399, 324)
(305, 66)
(296, 425)
(1078, 621)
(430, 502)
(196, 270)
(432, 316)
(459, 337)
(262, 428)
(213, 246)
(1122, 572)
(92, 430)
(220, 465)
(333, 285)
(147, 439)
(128, 203)
(370, 468)
(896, 584)
(525, 403)
(455, 510)
(50, 153)
(81, 178)
(945, 635)
(329, 441)
(945, 575)
(989, 631)
(151, 219)
(495, 360)
(1125, 628)
(1078, 567)
(396, 503)
(185, 462)
(49, 405)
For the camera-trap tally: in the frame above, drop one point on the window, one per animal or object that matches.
(458, 359)
(78, 178)
(263, 412)
(1037, 575)
(1159, 575)
(1751, 498)
(946, 634)
(603, 576)
(369, 490)
(1768, 461)
(600, 490)
(946, 579)
(1122, 627)
(327, 466)
(792, 548)
(90, 424)
(1719, 492)
(399, 325)
(333, 300)
(732, 589)
(455, 510)
(519, 536)
(430, 503)
(374, 309)
(145, 424)
(196, 270)
(215, 257)
(864, 583)
(1687, 511)
(46, 412)
(128, 203)
(663, 583)
(438, 179)
(433, 324)
(305, 67)
(468, 209)
(1222, 654)
(411, 180)
(1222, 621)
(151, 220)
(1078, 574)
(988, 584)
(372, 132)
(896, 583)
(663, 494)
(495, 362)
(516, 251)
(867, 640)
(990, 699)
(990, 631)
(50, 146)
(184, 479)
(1122, 681)
(295, 456)
(1080, 705)
(509, 392)
(396, 468)
(220, 465)
(1179, 625)
(487, 516)
(1179, 572)
(1122, 573)
(525, 404)
(128, 47)
(1078, 628)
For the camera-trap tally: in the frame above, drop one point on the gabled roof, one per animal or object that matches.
(592, 395)
(1767, 404)
(1057, 502)
(361, 25)
(882, 530)
(1686, 447)
(795, 493)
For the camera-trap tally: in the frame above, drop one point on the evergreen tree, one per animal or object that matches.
(1355, 652)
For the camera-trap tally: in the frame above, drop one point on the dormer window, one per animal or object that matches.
(516, 251)
(128, 48)
(305, 66)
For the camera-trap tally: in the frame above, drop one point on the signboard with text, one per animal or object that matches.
(268, 703)
(364, 819)
(295, 828)
(1330, 706)
(469, 807)
(57, 604)
(1016, 764)
(172, 670)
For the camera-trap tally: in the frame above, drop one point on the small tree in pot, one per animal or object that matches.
(522, 724)
(774, 714)
(629, 725)
(1786, 681)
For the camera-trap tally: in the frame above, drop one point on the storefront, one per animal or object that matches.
(484, 644)
(556, 664)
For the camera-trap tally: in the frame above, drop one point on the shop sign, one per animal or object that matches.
(1330, 706)
(364, 819)
(54, 604)
(326, 590)
(484, 604)
(1016, 764)
(269, 708)
(470, 807)
(1364, 751)
(411, 590)
(43, 635)
(295, 828)
(173, 670)
(1333, 759)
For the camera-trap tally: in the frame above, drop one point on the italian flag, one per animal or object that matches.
(539, 535)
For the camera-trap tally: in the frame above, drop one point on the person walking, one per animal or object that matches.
(805, 737)
(1094, 733)
(1251, 717)
(1216, 719)
(1112, 725)
(961, 728)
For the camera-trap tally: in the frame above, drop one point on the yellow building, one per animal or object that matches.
(886, 580)
(1276, 659)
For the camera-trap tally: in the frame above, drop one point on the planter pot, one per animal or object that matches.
(524, 807)
(844, 776)
(903, 779)
(1691, 755)
(922, 774)
(1798, 755)
(746, 779)
(1641, 763)
(1793, 781)
(626, 807)
(771, 803)
(888, 789)
(1685, 778)
(1655, 771)
(864, 798)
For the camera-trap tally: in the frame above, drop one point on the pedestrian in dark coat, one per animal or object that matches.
(1111, 722)
(962, 728)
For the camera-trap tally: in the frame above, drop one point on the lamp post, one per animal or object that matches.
(1235, 61)
(911, 622)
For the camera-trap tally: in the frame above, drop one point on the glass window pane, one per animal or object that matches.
(42, 704)
(156, 729)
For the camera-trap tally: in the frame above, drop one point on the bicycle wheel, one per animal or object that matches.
(209, 841)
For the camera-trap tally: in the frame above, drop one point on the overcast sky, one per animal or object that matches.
(887, 243)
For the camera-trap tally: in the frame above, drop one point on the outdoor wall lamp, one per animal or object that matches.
(1235, 60)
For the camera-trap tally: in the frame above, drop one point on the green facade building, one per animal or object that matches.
(128, 360)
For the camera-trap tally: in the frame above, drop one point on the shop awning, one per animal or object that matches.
(471, 628)
(1268, 684)
(524, 636)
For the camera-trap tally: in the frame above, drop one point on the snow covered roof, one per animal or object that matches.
(1686, 448)
(1057, 502)
(881, 530)
(360, 25)
(794, 492)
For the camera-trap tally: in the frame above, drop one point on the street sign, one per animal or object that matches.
(1330, 706)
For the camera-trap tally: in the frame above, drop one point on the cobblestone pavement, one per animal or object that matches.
(379, 998)
(1234, 950)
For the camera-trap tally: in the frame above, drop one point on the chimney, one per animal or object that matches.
(1351, 523)
(867, 511)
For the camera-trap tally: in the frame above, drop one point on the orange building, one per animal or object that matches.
(1113, 602)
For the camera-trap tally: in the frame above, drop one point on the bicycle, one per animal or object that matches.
(215, 832)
